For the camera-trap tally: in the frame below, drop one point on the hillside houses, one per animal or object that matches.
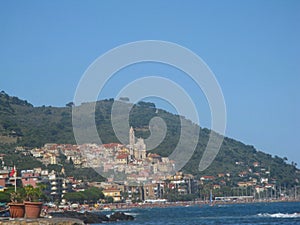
(141, 175)
(125, 165)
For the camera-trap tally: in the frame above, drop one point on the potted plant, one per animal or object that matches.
(16, 206)
(33, 205)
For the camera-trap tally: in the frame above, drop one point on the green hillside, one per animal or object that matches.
(21, 124)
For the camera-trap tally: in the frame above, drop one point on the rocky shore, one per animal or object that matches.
(69, 218)
(88, 217)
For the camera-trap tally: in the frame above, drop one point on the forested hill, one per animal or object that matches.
(21, 124)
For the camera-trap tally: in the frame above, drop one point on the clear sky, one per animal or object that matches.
(252, 47)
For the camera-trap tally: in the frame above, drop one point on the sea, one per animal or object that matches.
(281, 213)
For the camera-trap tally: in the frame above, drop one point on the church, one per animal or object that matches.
(137, 149)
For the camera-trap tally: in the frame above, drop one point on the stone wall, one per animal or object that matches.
(42, 221)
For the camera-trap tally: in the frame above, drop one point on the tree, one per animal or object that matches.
(124, 99)
(70, 104)
(4, 197)
(71, 161)
(55, 167)
(75, 197)
(109, 199)
(91, 195)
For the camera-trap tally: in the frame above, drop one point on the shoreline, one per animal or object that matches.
(91, 216)
(124, 206)
(192, 203)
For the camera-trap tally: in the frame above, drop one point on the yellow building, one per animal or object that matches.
(123, 158)
(114, 193)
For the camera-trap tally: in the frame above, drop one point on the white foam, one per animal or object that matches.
(280, 215)
(132, 214)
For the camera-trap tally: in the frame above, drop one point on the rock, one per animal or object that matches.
(89, 218)
(101, 216)
(117, 216)
(86, 217)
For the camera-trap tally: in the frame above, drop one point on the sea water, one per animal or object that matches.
(285, 213)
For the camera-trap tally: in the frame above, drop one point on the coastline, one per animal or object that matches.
(124, 206)
(92, 215)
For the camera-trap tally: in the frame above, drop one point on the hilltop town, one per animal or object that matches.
(40, 143)
(134, 175)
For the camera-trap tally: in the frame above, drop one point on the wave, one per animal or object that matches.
(280, 215)
(223, 206)
(123, 210)
(132, 214)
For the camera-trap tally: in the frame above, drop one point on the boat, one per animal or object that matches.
(211, 202)
(106, 208)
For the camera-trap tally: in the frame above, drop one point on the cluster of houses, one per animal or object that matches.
(257, 177)
(253, 177)
(132, 173)
(182, 183)
(56, 184)
(117, 162)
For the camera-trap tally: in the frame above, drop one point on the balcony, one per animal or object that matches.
(52, 178)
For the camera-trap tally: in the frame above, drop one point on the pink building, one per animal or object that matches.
(29, 178)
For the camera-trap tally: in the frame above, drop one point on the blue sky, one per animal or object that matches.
(252, 47)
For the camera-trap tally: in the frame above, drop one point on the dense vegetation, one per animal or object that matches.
(21, 124)
(90, 195)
